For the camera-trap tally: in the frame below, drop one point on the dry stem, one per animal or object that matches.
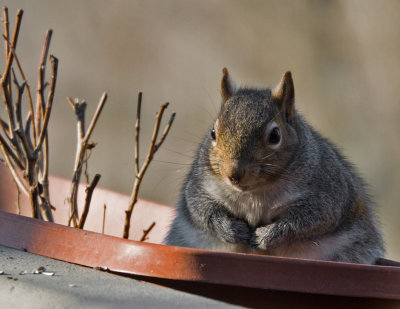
(139, 107)
(104, 219)
(82, 146)
(28, 90)
(154, 146)
(89, 193)
(146, 232)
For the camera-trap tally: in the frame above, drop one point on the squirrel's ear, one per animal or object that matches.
(284, 94)
(228, 86)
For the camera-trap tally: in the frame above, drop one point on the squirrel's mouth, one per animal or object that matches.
(243, 188)
(243, 183)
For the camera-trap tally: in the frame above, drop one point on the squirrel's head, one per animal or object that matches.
(253, 138)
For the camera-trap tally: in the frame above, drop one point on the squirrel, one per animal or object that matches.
(265, 182)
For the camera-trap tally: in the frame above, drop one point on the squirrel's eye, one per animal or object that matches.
(213, 133)
(275, 136)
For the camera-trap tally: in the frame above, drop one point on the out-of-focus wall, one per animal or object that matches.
(344, 56)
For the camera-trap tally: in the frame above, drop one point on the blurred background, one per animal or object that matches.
(344, 56)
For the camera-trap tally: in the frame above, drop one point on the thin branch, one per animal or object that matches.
(89, 193)
(18, 198)
(6, 34)
(152, 150)
(44, 175)
(6, 83)
(152, 147)
(82, 147)
(165, 132)
(85, 160)
(146, 232)
(28, 90)
(104, 219)
(27, 151)
(154, 136)
(17, 104)
(40, 88)
(6, 91)
(43, 132)
(4, 127)
(79, 109)
(139, 107)
(6, 28)
(13, 172)
(100, 106)
(13, 155)
(23, 140)
(28, 124)
(13, 43)
(46, 209)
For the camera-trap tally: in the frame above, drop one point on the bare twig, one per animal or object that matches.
(6, 34)
(28, 90)
(165, 132)
(103, 100)
(4, 127)
(41, 83)
(6, 28)
(13, 42)
(154, 146)
(43, 131)
(139, 107)
(28, 125)
(79, 109)
(18, 199)
(89, 193)
(26, 150)
(6, 91)
(5, 81)
(104, 219)
(17, 104)
(146, 232)
(11, 153)
(43, 114)
(82, 147)
(85, 172)
(43, 137)
(13, 172)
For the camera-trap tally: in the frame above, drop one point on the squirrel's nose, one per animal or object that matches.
(235, 172)
(235, 179)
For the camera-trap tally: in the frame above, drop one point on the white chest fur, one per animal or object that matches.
(257, 208)
(260, 208)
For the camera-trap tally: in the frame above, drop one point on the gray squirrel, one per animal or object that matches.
(265, 182)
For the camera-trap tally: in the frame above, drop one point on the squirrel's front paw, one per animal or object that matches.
(234, 231)
(263, 238)
(241, 232)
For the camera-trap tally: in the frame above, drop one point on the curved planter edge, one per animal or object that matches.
(184, 264)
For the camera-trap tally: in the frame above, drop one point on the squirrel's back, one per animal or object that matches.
(264, 181)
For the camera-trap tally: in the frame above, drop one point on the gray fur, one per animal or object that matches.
(315, 206)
